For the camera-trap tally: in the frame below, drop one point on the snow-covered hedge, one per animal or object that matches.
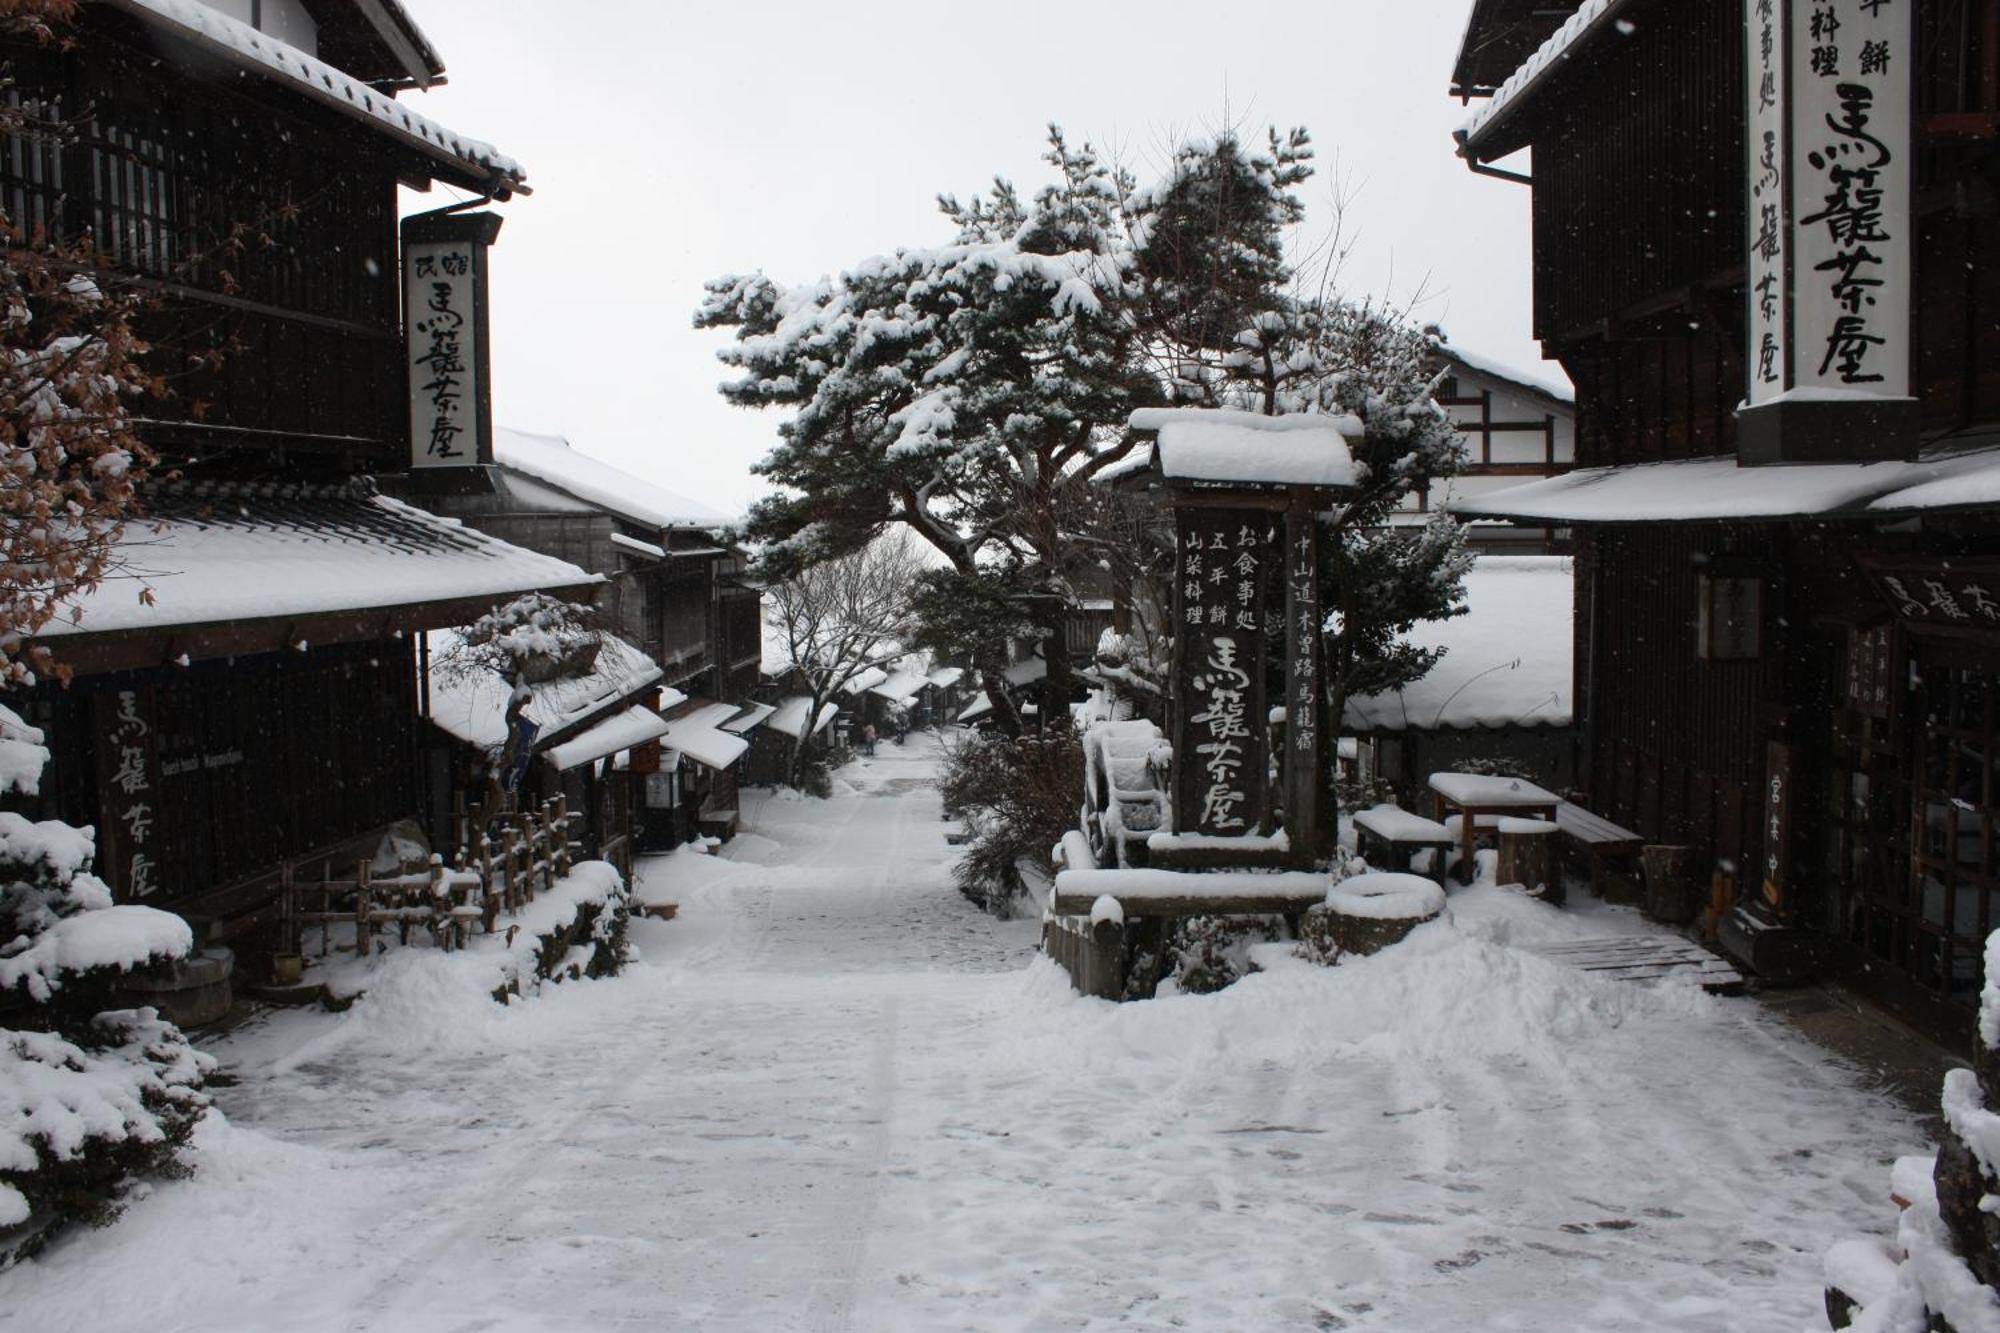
(576, 929)
(1941, 1272)
(92, 1097)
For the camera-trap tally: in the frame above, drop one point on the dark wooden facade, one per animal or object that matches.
(259, 207)
(1639, 233)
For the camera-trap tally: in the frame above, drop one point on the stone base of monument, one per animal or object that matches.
(1367, 913)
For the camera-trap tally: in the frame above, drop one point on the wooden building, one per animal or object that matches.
(674, 590)
(261, 702)
(1786, 647)
(1517, 425)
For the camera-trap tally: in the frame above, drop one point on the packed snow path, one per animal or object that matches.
(833, 1096)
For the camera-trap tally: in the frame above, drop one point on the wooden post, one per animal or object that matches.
(1309, 816)
(364, 928)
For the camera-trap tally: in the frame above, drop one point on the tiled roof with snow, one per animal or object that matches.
(476, 162)
(264, 552)
(550, 459)
(1713, 489)
(1551, 55)
(472, 704)
(789, 719)
(1507, 660)
(1197, 444)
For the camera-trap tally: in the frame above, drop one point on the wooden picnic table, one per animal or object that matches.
(1477, 795)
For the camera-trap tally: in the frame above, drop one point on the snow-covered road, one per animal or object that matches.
(833, 1096)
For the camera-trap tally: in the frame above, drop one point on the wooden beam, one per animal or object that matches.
(1192, 903)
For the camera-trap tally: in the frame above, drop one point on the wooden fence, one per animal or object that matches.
(497, 874)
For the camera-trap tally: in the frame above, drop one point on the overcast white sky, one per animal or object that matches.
(670, 141)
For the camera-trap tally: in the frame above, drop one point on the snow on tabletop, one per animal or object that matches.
(1483, 790)
(1136, 886)
(251, 564)
(122, 937)
(698, 735)
(472, 705)
(322, 82)
(1520, 825)
(620, 731)
(1386, 895)
(1507, 661)
(1399, 825)
(1695, 489)
(1222, 445)
(789, 717)
(550, 459)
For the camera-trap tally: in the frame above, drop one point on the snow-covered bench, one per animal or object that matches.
(1401, 834)
(1598, 839)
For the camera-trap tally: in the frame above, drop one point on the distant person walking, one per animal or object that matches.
(868, 740)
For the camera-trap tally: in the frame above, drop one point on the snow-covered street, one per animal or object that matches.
(832, 1095)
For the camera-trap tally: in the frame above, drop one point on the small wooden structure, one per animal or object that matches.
(1482, 801)
(1245, 491)
(1392, 835)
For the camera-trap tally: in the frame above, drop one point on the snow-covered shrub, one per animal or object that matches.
(1941, 1274)
(1210, 952)
(574, 930)
(1017, 796)
(532, 639)
(91, 1097)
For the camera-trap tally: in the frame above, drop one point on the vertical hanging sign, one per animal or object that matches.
(1221, 717)
(1829, 227)
(128, 792)
(445, 333)
(1766, 268)
(1301, 765)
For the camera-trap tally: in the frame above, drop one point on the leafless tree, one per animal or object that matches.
(837, 619)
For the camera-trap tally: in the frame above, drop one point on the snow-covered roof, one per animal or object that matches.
(752, 717)
(1219, 445)
(790, 717)
(637, 547)
(472, 705)
(1551, 55)
(900, 686)
(1715, 489)
(946, 677)
(470, 160)
(1547, 385)
(619, 732)
(698, 734)
(1507, 660)
(867, 680)
(981, 705)
(550, 459)
(287, 552)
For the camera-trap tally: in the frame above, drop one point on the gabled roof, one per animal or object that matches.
(550, 459)
(453, 157)
(1546, 386)
(1197, 445)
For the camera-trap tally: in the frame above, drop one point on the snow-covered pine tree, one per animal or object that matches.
(967, 391)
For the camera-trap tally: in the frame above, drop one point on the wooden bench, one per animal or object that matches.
(1602, 841)
(1401, 834)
